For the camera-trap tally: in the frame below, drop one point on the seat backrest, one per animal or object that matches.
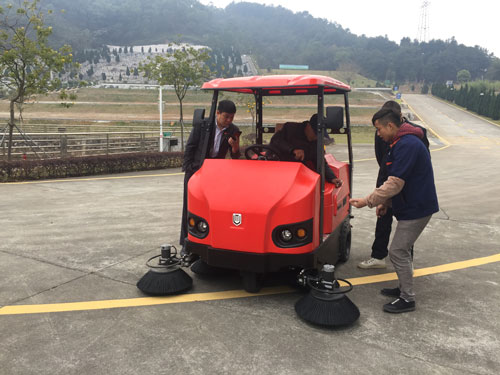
(334, 117)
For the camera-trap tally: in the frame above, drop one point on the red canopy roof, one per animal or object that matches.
(246, 84)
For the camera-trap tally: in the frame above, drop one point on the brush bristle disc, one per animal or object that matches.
(165, 283)
(333, 313)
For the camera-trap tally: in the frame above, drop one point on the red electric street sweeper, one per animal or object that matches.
(260, 214)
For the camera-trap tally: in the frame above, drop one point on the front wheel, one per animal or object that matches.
(345, 242)
(252, 281)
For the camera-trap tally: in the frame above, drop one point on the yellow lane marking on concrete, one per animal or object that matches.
(230, 294)
(447, 144)
(464, 110)
(471, 131)
(134, 302)
(359, 160)
(93, 179)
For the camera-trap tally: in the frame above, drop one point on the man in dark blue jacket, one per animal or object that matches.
(383, 226)
(411, 192)
(224, 137)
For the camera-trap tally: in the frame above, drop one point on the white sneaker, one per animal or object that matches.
(372, 263)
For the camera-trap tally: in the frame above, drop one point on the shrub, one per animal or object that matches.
(21, 170)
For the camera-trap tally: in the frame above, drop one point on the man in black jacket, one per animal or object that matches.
(224, 137)
(296, 141)
(384, 222)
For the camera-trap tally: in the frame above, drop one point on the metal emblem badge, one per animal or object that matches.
(237, 219)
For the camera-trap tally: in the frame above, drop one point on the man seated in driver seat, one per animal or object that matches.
(296, 141)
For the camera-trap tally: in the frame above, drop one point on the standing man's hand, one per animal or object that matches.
(381, 210)
(299, 154)
(358, 202)
(234, 143)
(337, 182)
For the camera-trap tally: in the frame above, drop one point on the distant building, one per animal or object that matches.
(294, 67)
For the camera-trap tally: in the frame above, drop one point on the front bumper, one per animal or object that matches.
(253, 262)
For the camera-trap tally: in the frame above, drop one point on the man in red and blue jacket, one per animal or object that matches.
(410, 191)
(383, 227)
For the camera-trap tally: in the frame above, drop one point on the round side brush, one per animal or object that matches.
(326, 304)
(166, 277)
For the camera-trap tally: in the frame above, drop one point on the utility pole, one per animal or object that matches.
(423, 25)
(160, 103)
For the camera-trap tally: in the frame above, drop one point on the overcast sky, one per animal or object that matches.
(471, 23)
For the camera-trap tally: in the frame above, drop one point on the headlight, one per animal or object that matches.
(197, 226)
(202, 226)
(293, 235)
(286, 235)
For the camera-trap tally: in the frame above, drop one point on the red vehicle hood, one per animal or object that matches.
(265, 193)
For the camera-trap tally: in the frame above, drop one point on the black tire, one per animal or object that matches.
(252, 281)
(345, 242)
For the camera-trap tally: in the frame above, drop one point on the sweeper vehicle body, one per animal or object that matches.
(260, 214)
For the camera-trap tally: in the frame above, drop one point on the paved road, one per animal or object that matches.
(87, 240)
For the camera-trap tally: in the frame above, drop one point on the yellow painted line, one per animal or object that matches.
(466, 111)
(135, 302)
(447, 144)
(448, 267)
(358, 160)
(230, 294)
(92, 179)
(471, 131)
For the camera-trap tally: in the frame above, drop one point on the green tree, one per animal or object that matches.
(493, 73)
(463, 76)
(27, 61)
(183, 69)
(496, 112)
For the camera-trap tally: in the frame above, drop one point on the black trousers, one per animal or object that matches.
(184, 224)
(382, 235)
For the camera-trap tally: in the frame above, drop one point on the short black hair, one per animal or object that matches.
(226, 106)
(384, 116)
(314, 121)
(391, 104)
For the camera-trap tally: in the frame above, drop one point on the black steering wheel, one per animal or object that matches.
(261, 152)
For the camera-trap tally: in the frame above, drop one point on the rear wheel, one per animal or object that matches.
(252, 281)
(345, 242)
